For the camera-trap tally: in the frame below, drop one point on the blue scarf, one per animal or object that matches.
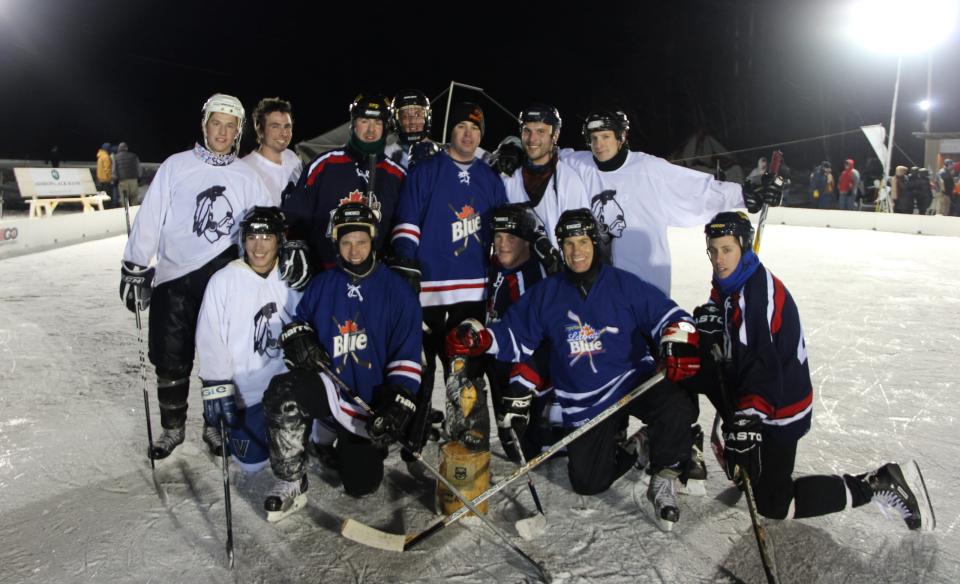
(749, 262)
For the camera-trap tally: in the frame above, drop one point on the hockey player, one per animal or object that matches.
(244, 309)
(187, 223)
(754, 323)
(362, 322)
(597, 322)
(341, 176)
(443, 223)
(411, 119)
(643, 195)
(277, 165)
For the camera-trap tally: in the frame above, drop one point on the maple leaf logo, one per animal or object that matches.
(467, 212)
(348, 327)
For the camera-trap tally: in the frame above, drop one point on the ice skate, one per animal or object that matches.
(901, 490)
(169, 439)
(639, 444)
(285, 498)
(211, 436)
(697, 468)
(659, 499)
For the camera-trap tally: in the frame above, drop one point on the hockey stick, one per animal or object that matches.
(392, 542)
(143, 361)
(775, 161)
(531, 526)
(450, 487)
(226, 492)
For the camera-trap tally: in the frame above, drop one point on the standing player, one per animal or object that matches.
(342, 176)
(361, 321)
(412, 115)
(598, 322)
(753, 321)
(276, 164)
(187, 223)
(443, 223)
(244, 309)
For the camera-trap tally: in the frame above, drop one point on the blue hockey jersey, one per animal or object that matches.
(332, 179)
(371, 329)
(443, 220)
(599, 345)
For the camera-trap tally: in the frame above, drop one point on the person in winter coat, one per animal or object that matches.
(849, 186)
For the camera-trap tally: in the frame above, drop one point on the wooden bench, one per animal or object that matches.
(47, 188)
(47, 205)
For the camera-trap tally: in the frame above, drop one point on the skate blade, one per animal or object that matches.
(693, 488)
(371, 536)
(298, 503)
(914, 478)
(532, 527)
(646, 505)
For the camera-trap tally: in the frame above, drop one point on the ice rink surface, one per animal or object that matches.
(78, 504)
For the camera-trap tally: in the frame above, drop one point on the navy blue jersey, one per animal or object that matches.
(767, 369)
(370, 328)
(443, 220)
(599, 345)
(332, 179)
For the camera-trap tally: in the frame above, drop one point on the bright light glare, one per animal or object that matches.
(901, 26)
(925, 104)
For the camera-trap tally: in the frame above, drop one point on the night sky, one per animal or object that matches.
(77, 74)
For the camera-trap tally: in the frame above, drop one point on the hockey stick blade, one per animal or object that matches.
(371, 536)
(530, 527)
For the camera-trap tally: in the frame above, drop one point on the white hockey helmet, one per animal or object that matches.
(224, 104)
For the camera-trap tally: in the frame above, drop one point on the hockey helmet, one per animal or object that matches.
(541, 113)
(352, 217)
(616, 121)
(411, 98)
(263, 220)
(735, 223)
(516, 219)
(224, 104)
(373, 106)
(575, 222)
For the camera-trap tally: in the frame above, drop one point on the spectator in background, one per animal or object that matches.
(757, 172)
(104, 169)
(902, 201)
(946, 184)
(848, 186)
(918, 190)
(126, 166)
(54, 157)
(822, 186)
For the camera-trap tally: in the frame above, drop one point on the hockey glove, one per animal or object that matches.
(680, 351)
(136, 285)
(709, 319)
(469, 338)
(548, 255)
(302, 349)
(508, 156)
(390, 420)
(422, 151)
(295, 267)
(743, 437)
(406, 268)
(516, 412)
(219, 402)
(769, 192)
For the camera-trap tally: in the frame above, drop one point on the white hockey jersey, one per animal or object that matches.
(566, 190)
(191, 214)
(276, 176)
(240, 322)
(642, 198)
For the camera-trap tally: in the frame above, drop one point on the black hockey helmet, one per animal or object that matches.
(577, 222)
(263, 220)
(373, 106)
(539, 112)
(411, 98)
(515, 219)
(353, 217)
(735, 223)
(616, 121)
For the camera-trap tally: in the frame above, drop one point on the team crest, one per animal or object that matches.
(609, 215)
(464, 176)
(585, 339)
(350, 340)
(466, 225)
(213, 217)
(264, 341)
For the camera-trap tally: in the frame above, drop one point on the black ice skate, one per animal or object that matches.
(660, 500)
(902, 490)
(697, 468)
(169, 439)
(211, 435)
(285, 498)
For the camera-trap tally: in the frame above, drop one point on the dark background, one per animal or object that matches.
(77, 74)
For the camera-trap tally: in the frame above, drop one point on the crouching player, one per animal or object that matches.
(361, 322)
(598, 321)
(754, 324)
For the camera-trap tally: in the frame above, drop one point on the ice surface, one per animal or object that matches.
(77, 502)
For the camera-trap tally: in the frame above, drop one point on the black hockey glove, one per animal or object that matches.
(390, 419)
(769, 191)
(422, 151)
(136, 285)
(516, 412)
(295, 267)
(302, 349)
(743, 437)
(219, 402)
(709, 320)
(406, 268)
(508, 156)
(548, 255)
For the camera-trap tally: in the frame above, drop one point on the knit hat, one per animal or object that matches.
(467, 112)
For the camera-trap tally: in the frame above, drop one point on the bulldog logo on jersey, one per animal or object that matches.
(467, 225)
(213, 217)
(584, 339)
(350, 340)
(265, 341)
(609, 215)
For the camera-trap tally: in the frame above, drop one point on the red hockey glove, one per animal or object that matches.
(680, 351)
(469, 338)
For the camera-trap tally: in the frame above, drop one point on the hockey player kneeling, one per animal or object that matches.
(598, 322)
(360, 322)
(754, 323)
